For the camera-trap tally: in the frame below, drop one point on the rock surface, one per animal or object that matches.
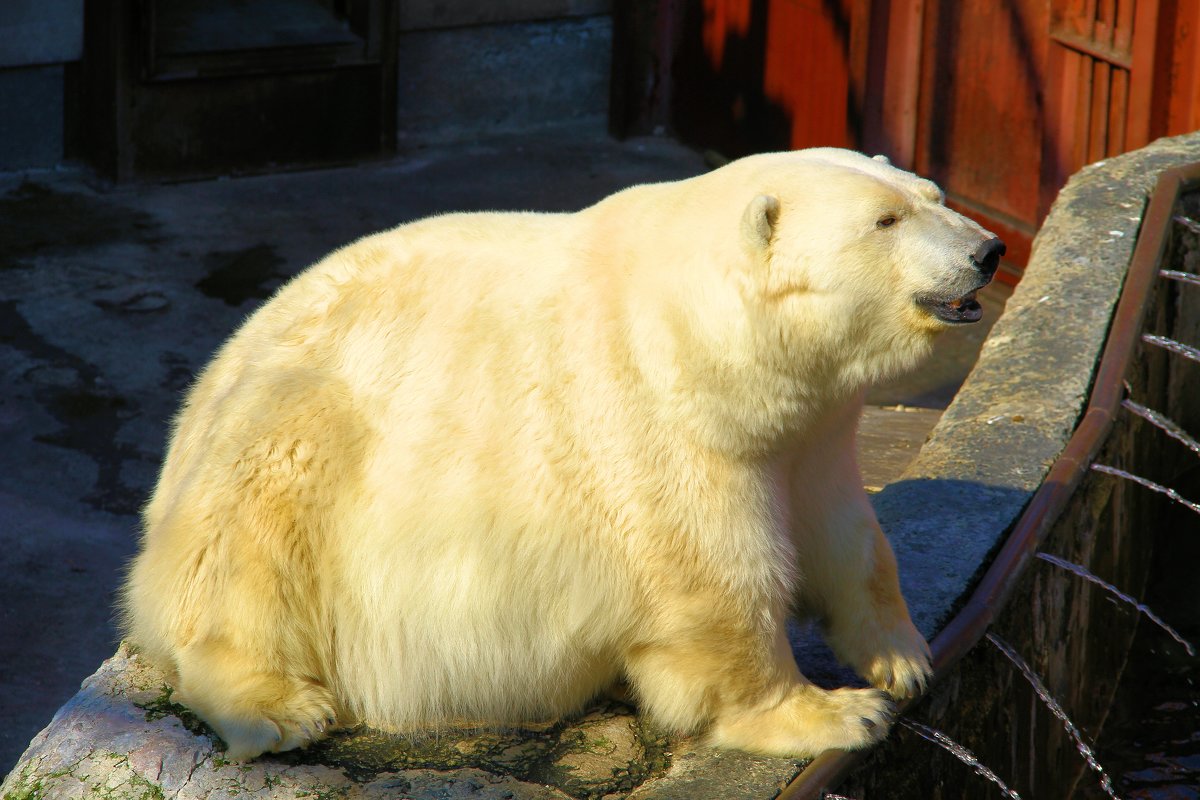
(121, 737)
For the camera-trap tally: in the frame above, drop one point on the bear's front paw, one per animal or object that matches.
(899, 664)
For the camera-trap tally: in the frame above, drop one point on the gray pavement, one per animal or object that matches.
(112, 298)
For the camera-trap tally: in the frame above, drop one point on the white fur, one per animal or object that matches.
(482, 466)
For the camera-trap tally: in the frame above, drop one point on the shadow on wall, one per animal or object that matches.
(719, 100)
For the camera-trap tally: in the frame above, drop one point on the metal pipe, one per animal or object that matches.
(970, 624)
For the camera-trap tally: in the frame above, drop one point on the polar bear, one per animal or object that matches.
(482, 466)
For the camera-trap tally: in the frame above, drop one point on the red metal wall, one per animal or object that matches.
(811, 39)
(753, 75)
(998, 102)
(979, 124)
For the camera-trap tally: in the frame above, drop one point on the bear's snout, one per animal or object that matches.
(986, 257)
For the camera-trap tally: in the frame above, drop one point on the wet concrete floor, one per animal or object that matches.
(112, 298)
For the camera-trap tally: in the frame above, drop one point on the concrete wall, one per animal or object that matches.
(428, 14)
(37, 39)
(466, 82)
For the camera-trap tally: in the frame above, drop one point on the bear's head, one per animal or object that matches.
(849, 248)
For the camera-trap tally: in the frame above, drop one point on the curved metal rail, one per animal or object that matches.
(967, 627)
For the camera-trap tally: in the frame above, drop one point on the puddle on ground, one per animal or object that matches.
(236, 276)
(89, 410)
(36, 219)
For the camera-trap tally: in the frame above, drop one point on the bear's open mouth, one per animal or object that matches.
(959, 310)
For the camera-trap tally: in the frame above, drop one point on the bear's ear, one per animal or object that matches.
(758, 221)
(883, 158)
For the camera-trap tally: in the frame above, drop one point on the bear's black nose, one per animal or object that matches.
(987, 256)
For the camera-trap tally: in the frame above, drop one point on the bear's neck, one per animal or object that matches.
(736, 391)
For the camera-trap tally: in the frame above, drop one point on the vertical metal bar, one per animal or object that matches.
(860, 51)
(384, 31)
(1087, 26)
(1083, 113)
(1059, 134)
(1141, 78)
(1105, 23)
(902, 82)
(1184, 104)
(1123, 38)
(666, 26)
(1076, 15)
(1118, 112)
(1098, 111)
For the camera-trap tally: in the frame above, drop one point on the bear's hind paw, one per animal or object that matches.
(809, 721)
(308, 717)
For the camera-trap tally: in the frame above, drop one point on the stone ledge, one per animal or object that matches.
(122, 737)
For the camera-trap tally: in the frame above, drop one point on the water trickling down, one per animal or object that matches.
(1083, 573)
(1171, 493)
(1176, 275)
(1168, 343)
(1187, 222)
(1056, 710)
(961, 753)
(1164, 424)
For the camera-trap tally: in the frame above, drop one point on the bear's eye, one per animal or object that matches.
(886, 221)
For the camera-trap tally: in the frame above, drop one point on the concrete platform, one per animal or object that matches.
(112, 299)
